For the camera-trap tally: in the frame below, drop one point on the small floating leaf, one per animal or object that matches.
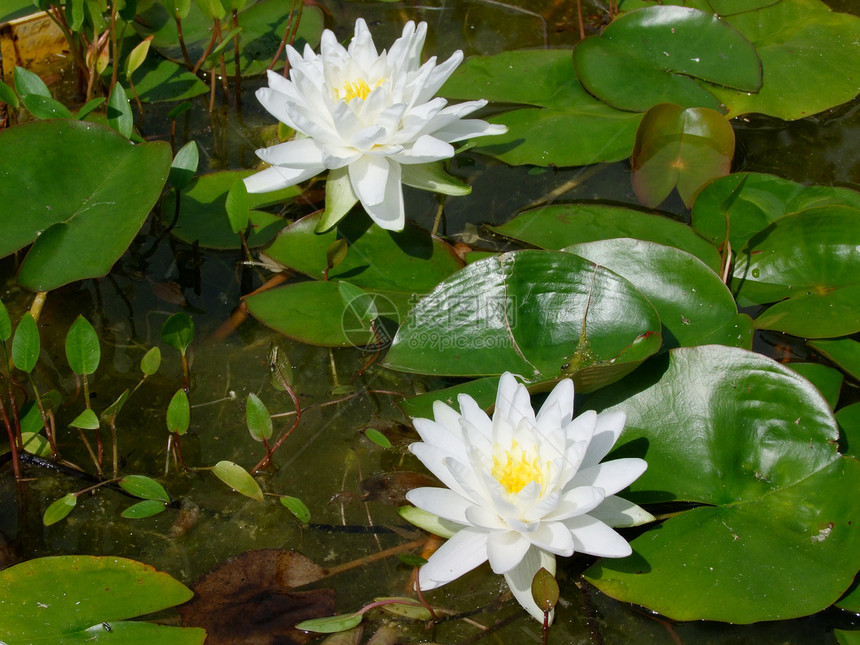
(258, 418)
(412, 560)
(238, 206)
(405, 607)
(297, 507)
(5, 323)
(109, 415)
(151, 361)
(144, 487)
(59, 509)
(331, 624)
(184, 166)
(179, 413)
(82, 347)
(86, 420)
(377, 437)
(238, 479)
(119, 112)
(146, 508)
(178, 331)
(25, 344)
(36, 444)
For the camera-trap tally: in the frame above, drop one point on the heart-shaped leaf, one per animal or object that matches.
(542, 314)
(78, 223)
(687, 148)
(652, 55)
(43, 602)
(561, 225)
(694, 305)
(758, 449)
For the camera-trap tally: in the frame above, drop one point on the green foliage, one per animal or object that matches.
(845, 352)
(63, 215)
(331, 624)
(151, 361)
(297, 507)
(377, 437)
(543, 314)
(59, 509)
(119, 115)
(545, 590)
(144, 509)
(687, 148)
(238, 479)
(86, 420)
(774, 519)
(144, 487)
(238, 207)
(654, 55)
(25, 344)
(42, 602)
(179, 413)
(258, 418)
(82, 347)
(5, 323)
(178, 331)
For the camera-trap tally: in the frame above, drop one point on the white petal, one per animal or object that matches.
(618, 512)
(275, 178)
(369, 176)
(298, 154)
(433, 459)
(439, 75)
(582, 427)
(441, 436)
(557, 410)
(607, 429)
(461, 553)
(554, 537)
(596, 538)
(484, 518)
(505, 550)
(390, 213)
(467, 129)
(476, 416)
(513, 401)
(426, 149)
(442, 502)
(612, 476)
(446, 415)
(576, 501)
(520, 578)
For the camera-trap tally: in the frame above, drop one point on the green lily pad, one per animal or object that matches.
(809, 55)
(694, 305)
(314, 312)
(687, 148)
(563, 126)
(558, 226)
(542, 314)
(747, 203)
(653, 55)
(203, 213)
(811, 258)
(410, 260)
(78, 223)
(263, 24)
(758, 448)
(849, 422)
(827, 379)
(482, 390)
(69, 599)
(844, 352)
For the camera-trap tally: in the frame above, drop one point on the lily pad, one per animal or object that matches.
(827, 379)
(78, 223)
(687, 148)
(844, 352)
(565, 125)
(759, 452)
(810, 257)
(69, 599)
(203, 213)
(558, 226)
(263, 24)
(694, 305)
(809, 55)
(410, 260)
(315, 313)
(653, 55)
(740, 205)
(542, 314)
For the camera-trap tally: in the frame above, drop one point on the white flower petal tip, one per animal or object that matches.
(369, 111)
(524, 487)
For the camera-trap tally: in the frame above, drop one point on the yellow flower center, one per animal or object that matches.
(357, 89)
(514, 470)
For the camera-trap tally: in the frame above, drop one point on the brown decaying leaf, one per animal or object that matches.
(248, 599)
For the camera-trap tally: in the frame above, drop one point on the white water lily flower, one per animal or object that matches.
(523, 488)
(369, 118)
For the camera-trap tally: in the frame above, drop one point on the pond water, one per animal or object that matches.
(328, 462)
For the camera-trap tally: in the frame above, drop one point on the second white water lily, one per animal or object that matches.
(523, 488)
(369, 118)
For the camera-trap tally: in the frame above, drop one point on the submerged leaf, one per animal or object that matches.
(249, 599)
